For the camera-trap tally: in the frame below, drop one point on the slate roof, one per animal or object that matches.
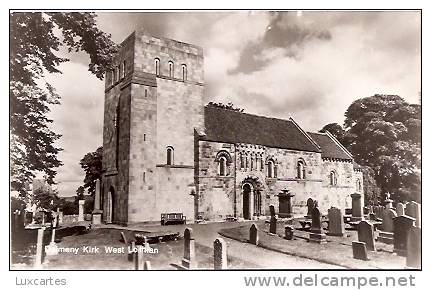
(329, 147)
(229, 126)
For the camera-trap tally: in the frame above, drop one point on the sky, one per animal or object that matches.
(307, 65)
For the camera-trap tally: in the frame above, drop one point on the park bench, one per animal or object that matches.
(172, 218)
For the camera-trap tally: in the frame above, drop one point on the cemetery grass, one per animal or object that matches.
(337, 251)
(169, 253)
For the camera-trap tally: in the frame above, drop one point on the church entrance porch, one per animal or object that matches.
(252, 203)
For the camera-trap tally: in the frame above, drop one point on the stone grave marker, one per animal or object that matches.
(359, 250)
(288, 232)
(254, 236)
(273, 225)
(357, 207)
(414, 248)
(189, 260)
(81, 210)
(413, 209)
(272, 210)
(310, 206)
(147, 265)
(336, 222)
(402, 226)
(316, 232)
(52, 249)
(39, 248)
(400, 209)
(366, 234)
(220, 254)
(388, 220)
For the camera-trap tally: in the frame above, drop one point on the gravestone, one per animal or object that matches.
(336, 222)
(285, 203)
(52, 249)
(366, 234)
(357, 207)
(220, 254)
(288, 232)
(413, 209)
(402, 226)
(414, 248)
(189, 260)
(272, 210)
(316, 232)
(81, 210)
(359, 251)
(400, 209)
(310, 206)
(254, 237)
(131, 254)
(60, 218)
(96, 215)
(273, 225)
(388, 220)
(139, 258)
(147, 265)
(39, 248)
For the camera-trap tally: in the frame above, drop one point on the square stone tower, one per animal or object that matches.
(153, 106)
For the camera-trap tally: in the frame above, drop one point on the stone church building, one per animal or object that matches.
(165, 152)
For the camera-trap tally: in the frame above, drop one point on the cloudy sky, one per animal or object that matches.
(306, 65)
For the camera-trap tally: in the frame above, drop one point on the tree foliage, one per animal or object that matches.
(384, 133)
(229, 106)
(34, 47)
(92, 165)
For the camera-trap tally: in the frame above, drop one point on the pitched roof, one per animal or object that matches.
(330, 146)
(229, 126)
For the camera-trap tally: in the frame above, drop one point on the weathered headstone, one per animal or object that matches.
(336, 222)
(357, 207)
(81, 210)
(96, 215)
(39, 248)
(220, 254)
(359, 250)
(285, 203)
(272, 210)
(413, 209)
(147, 265)
(52, 248)
(366, 234)
(310, 206)
(189, 260)
(139, 258)
(316, 232)
(254, 236)
(288, 232)
(388, 220)
(402, 226)
(273, 225)
(414, 248)
(400, 209)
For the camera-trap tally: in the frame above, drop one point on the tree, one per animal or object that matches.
(345, 138)
(229, 106)
(92, 165)
(33, 46)
(45, 199)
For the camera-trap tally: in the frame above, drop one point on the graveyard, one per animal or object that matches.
(378, 237)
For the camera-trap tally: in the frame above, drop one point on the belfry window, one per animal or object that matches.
(157, 66)
(333, 178)
(123, 71)
(184, 71)
(170, 155)
(271, 169)
(300, 174)
(223, 159)
(171, 69)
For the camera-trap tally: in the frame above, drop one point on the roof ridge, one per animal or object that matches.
(254, 115)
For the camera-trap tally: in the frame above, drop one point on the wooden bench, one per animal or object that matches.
(172, 218)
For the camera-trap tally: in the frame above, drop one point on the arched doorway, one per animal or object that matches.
(110, 205)
(246, 198)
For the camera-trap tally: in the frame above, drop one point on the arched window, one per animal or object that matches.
(170, 155)
(171, 69)
(300, 174)
(222, 166)
(251, 162)
(271, 169)
(123, 75)
(333, 178)
(242, 160)
(157, 66)
(184, 70)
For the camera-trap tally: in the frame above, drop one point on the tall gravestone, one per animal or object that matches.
(139, 258)
(189, 260)
(272, 221)
(316, 232)
(402, 226)
(388, 220)
(400, 209)
(413, 209)
(310, 206)
(81, 203)
(39, 248)
(366, 234)
(96, 215)
(254, 237)
(220, 254)
(414, 248)
(357, 207)
(336, 222)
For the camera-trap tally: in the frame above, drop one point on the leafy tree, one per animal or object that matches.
(46, 199)
(345, 138)
(34, 44)
(92, 165)
(229, 106)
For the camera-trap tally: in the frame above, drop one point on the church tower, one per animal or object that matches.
(153, 106)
